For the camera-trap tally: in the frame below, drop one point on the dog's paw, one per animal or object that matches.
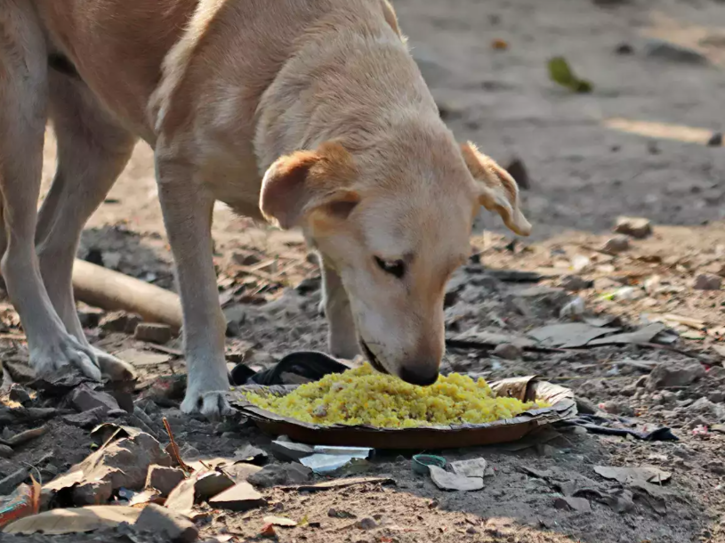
(114, 368)
(51, 355)
(213, 405)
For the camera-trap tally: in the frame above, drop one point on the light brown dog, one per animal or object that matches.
(307, 113)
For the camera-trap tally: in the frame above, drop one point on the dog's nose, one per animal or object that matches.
(419, 376)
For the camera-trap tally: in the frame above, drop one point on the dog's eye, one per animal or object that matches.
(393, 267)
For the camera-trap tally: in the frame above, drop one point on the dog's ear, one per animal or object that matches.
(306, 181)
(497, 190)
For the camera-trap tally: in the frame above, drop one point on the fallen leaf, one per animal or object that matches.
(500, 45)
(561, 73)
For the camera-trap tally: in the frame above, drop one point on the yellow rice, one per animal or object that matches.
(364, 396)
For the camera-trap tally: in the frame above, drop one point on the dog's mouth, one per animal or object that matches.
(374, 362)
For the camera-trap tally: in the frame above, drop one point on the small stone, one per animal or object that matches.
(5, 451)
(585, 406)
(581, 505)
(617, 408)
(153, 332)
(244, 258)
(717, 397)
(9, 483)
(710, 411)
(508, 351)
(517, 170)
(624, 49)
(367, 523)
(635, 227)
(84, 398)
(90, 317)
(281, 475)
(471, 530)
(340, 513)
(616, 245)
(715, 140)
(575, 283)
(665, 50)
(573, 310)
(120, 322)
(19, 394)
(717, 467)
(707, 281)
(164, 479)
(667, 376)
(166, 523)
(87, 419)
(545, 450)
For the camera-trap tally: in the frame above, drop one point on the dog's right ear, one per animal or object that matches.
(297, 184)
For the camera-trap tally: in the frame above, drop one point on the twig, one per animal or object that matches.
(175, 449)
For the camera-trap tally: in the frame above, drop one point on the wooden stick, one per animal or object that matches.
(111, 290)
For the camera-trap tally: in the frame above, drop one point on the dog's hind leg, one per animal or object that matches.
(92, 152)
(23, 114)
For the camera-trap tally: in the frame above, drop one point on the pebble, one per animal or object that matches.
(120, 321)
(9, 483)
(90, 317)
(573, 310)
(616, 245)
(84, 398)
(281, 474)
(19, 394)
(166, 523)
(665, 50)
(575, 283)
(712, 412)
(163, 478)
(707, 281)
(617, 408)
(5, 451)
(715, 140)
(664, 376)
(717, 397)
(635, 227)
(367, 523)
(517, 170)
(153, 332)
(508, 351)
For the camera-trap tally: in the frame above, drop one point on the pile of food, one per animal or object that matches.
(362, 396)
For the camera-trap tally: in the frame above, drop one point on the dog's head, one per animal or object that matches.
(394, 222)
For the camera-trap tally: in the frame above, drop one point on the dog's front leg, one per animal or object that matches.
(342, 336)
(187, 209)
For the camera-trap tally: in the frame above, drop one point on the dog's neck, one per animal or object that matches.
(352, 84)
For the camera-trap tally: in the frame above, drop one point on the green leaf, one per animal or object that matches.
(561, 73)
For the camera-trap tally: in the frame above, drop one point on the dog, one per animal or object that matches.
(308, 114)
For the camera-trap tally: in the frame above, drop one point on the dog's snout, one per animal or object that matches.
(423, 376)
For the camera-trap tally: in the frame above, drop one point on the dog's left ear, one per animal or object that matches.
(497, 189)
(306, 181)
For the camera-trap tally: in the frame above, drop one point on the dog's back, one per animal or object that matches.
(124, 48)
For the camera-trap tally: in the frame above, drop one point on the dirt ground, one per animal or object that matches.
(637, 145)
